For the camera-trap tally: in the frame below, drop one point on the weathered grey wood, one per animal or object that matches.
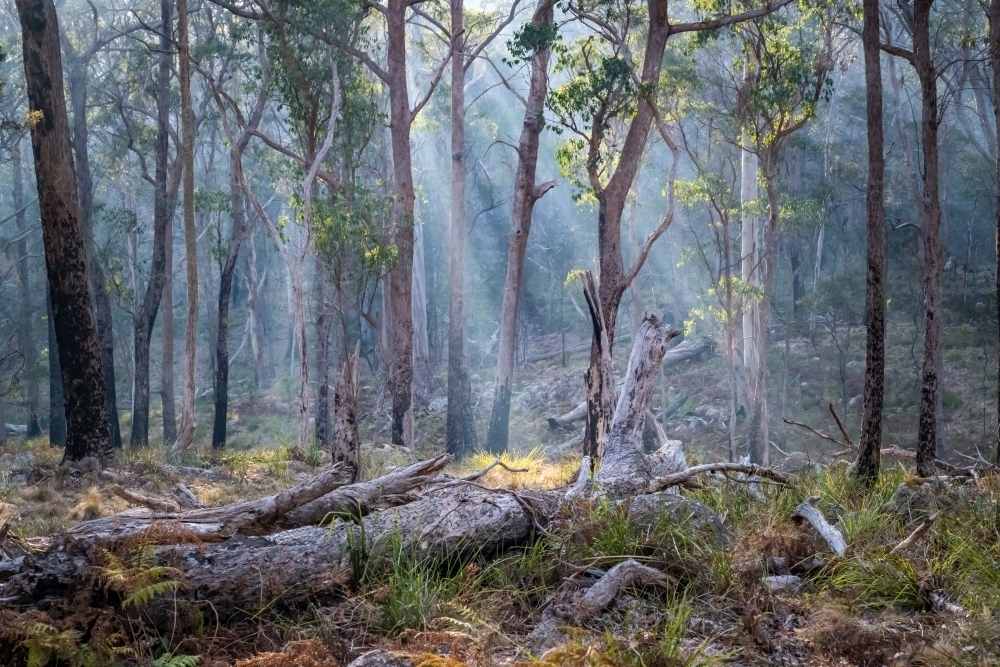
(624, 575)
(246, 574)
(674, 479)
(185, 498)
(624, 466)
(807, 511)
(917, 533)
(346, 442)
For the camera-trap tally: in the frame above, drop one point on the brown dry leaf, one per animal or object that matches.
(303, 653)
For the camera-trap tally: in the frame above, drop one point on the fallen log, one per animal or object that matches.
(246, 574)
(685, 476)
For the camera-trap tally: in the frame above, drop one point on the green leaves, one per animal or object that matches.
(529, 39)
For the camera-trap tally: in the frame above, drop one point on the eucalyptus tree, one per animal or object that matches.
(609, 104)
(532, 42)
(88, 424)
(994, 56)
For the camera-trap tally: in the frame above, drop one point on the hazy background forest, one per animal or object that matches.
(110, 54)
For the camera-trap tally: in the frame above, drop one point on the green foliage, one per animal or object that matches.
(170, 660)
(139, 579)
(529, 40)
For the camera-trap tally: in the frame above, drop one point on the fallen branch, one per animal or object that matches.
(482, 473)
(840, 425)
(685, 475)
(155, 504)
(896, 452)
(583, 484)
(919, 532)
(624, 575)
(807, 511)
(809, 428)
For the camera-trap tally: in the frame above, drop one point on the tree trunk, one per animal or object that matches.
(526, 193)
(401, 275)
(261, 375)
(599, 379)
(635, 311)
(57, 399)
(186, 435)
(931, 205)
(994, 49)
(146, 316)
(751, 270)
(423, 375)
(324, 322)
(461, 428)
(78, 86)
(26, 312)
(88, 424)
(346, 442)
(167, 393)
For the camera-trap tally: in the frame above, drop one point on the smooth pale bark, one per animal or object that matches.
(931, 207)
(261, 374)
(752, 272)
(423, 375)
(526, 193)
(994, 49)
(88, 424)
(26, 311)
(869, 460)
(77, 77)
(186, 434)
(145, 317)
(635, 295)
(461, 427)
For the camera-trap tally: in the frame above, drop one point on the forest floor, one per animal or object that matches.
(754, 588)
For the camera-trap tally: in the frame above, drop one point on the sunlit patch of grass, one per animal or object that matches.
(538, 471)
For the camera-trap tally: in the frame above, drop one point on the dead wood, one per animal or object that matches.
(808, 511)
(599, 379)
(840, 425)
(895, 452)
(624, 575)
(915, 536)
(155, 504)
(809, 428)
(346, 442)
(681, 478)
(185, 498)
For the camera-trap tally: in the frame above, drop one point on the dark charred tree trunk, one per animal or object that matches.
(162, 214)
(931, 205)
(77, 76)
(869, 459)
(526, 193)
(57, 404)
(324, 323)
(26, 310)
(346, 442)
(994, 46)
(87, 421)
(461, 427)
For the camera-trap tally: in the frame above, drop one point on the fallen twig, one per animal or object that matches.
(683, 476)
(482, 473)
(918, 532)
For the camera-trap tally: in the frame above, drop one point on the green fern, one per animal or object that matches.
(139, 579)
(169, 660)
(45, 642)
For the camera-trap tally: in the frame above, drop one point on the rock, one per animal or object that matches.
(650, 508)
(783, 582)
(24, 461)
(379, 658)
(438, 405)
(915, 501)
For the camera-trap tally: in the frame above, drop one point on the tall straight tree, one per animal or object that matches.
(145, 318)
(186, 435)
(538, 45)
(930, 230)
(994, 50)
(89, 430)
(869, 457)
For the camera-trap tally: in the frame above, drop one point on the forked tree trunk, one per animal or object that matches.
(931, 205)
(869, 458)
(526, 193)
(186, 434)
(145, 317)
(461, 428)
(77, 76)
(88, 424)
(346, 442)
